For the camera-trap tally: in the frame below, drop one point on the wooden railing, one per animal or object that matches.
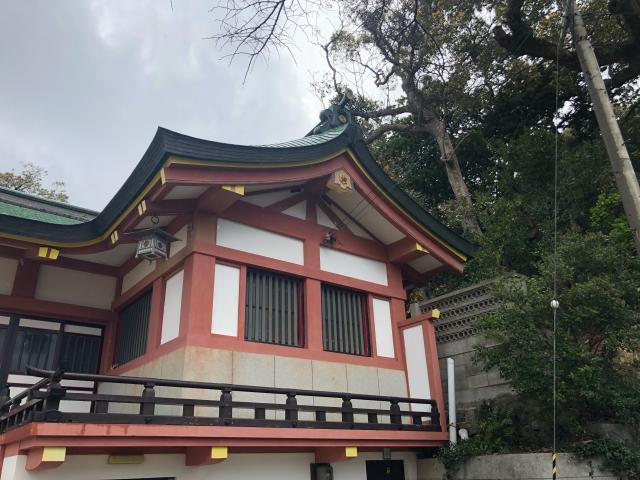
(41, 403)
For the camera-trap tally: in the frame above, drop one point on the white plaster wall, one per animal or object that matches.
(382, 323)
(76, 287)
(323, 219)
(179, 244)
(260, 242)
(299, 210)
(8, 267)
(226, 298)
(266, 199)
(369, 218)
(353, 227)
(136, 274)
(354, 266)
(417, 373)
(172, 306)
(264, 466)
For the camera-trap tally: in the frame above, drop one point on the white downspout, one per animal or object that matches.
(451, 389)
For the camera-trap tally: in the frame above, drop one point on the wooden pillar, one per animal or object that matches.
(197, 295)
(313, 314)
(26, 279)
(155, 314)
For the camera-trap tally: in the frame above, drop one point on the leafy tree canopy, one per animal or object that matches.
(31, 179)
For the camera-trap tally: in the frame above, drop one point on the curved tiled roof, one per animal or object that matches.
(22, 205)
(167, 143)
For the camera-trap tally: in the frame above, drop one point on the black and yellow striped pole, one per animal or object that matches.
(554, 470)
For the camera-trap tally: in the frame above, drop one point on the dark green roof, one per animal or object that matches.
(311, 139)
(167, 143)
(30, 214)
(29, 207)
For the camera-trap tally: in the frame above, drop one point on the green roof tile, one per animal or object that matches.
(311, 139)
(32, 214)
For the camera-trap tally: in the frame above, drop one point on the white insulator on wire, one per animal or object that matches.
(555, 304)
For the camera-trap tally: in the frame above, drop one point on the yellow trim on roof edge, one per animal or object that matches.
(160, 176)
(185, 161)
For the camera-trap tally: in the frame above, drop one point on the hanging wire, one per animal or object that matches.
(554, 302)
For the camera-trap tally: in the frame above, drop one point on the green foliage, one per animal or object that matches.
(453, 456)
(499, 110)
(617, 457)
(501, 427)
(607, 216)
(597, 325)
(31, 180)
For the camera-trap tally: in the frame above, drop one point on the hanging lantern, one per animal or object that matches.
(152, 243)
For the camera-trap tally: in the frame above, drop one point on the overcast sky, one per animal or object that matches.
(85, 84)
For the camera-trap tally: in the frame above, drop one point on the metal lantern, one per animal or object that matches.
(152, 243)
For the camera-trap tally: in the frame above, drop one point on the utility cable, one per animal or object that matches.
(554, 302)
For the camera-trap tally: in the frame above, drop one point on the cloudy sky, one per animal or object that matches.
(84, 85)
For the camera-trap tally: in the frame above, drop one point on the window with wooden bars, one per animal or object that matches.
(345, 323)
(133, 326)
(274, 309)
(49, 344)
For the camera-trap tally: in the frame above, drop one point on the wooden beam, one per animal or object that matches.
(31, 306)
(11, 252)
(205, 455)
(172, 207)
(26, 278)
(217, 199)
(317, 186)
(84, 266)
(416, 278)
(349, 218)
(272, 190)
(335, 454)
(41, 458)
(42, 253)
(405, 250)
(332, 216)
(287, 202)
(33, 255)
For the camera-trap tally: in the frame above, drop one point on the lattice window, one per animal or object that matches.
(345, 325)
(133, 328)
(274, 309)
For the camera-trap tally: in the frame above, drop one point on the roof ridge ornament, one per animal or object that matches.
(337, 115)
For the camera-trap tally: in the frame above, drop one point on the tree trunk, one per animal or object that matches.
(461, 193)
(425, 117)
(623, 171)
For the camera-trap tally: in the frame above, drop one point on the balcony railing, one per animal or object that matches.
(41, 403)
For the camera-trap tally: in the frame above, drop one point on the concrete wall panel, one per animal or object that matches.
(8, 268)
(64, 285)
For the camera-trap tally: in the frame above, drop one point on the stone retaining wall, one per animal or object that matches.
(517, 466)
(456, 337)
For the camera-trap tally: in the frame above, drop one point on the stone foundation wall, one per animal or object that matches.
(518, 466)
(456, 337)
(242, 368)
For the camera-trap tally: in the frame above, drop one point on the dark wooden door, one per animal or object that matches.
(385, 470)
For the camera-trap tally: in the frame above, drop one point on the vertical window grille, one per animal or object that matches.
(274, 309)
(49, 344)
(133, 327)
(80, 353)
(345, 326)
(3, 347)
(34, 348)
